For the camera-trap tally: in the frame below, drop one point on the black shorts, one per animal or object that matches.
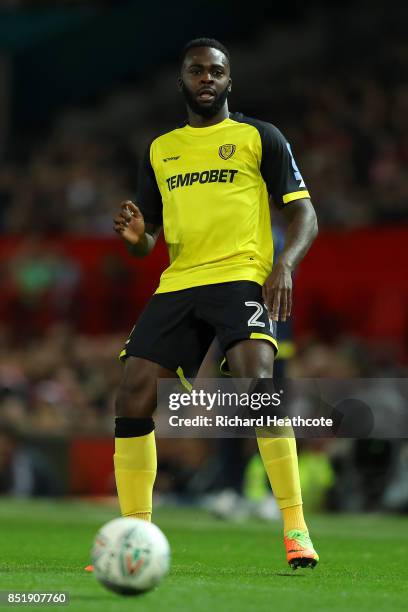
(176, 328)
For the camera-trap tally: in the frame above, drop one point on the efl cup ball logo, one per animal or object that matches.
(134, 557)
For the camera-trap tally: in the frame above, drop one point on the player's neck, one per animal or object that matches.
(198, 121)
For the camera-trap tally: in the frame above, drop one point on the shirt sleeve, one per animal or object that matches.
(279, 169)
(148, 194)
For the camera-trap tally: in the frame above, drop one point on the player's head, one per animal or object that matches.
(205, 80)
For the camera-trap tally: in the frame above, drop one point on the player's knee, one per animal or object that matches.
(264, 369)
(265, 361)
(261, 368)
(134, 400)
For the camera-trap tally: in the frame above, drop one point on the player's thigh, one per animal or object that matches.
(137, 393)
(244, 359)
(251, 359)
(210, 366)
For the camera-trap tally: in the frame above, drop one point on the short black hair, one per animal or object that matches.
(204, 42)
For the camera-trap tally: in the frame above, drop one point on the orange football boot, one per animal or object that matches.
(299, 549)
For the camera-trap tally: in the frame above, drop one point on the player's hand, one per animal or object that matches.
(277, 292)
(129, 223)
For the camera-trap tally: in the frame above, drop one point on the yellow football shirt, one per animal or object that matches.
(209, 188)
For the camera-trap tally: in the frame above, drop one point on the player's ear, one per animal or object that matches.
(180, 83)
(230, 85)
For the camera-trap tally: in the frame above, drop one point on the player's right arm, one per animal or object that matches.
(139, 236)
(139, 223)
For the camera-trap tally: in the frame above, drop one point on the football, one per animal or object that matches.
(130, 556)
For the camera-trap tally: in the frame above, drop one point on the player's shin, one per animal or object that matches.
(135, 463)
(279, 456)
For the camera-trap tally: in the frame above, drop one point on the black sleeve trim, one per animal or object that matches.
(278, 167)
(148, 194)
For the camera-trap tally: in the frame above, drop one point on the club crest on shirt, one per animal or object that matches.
(226, 151)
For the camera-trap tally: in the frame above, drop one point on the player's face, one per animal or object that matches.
(205, 80)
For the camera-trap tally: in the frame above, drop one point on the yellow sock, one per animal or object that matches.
(279, 457)
(135, 472)
(293, 518)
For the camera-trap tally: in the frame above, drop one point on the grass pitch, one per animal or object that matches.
(216, 566)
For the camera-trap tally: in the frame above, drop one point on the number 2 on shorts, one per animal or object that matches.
(253, 320)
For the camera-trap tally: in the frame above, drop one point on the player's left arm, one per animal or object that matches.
(289, 193)
(301, 231)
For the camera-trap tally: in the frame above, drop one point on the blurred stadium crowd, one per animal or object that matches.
(65, 382)
(347, 118)
(63, 385)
